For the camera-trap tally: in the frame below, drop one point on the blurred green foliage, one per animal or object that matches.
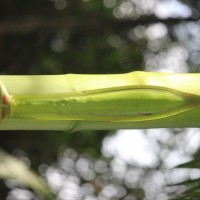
(85, 36)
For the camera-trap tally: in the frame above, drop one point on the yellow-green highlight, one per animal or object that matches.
(78, 102)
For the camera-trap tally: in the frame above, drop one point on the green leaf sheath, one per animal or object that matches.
(78, 102)
(113, 104)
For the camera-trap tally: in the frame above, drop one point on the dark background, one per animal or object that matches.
(74, 36)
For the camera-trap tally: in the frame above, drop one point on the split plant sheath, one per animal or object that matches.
(78, 102)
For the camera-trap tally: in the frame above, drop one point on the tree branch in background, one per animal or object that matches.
(33, 23)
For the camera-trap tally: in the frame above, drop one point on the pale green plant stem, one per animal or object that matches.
(78, 102)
